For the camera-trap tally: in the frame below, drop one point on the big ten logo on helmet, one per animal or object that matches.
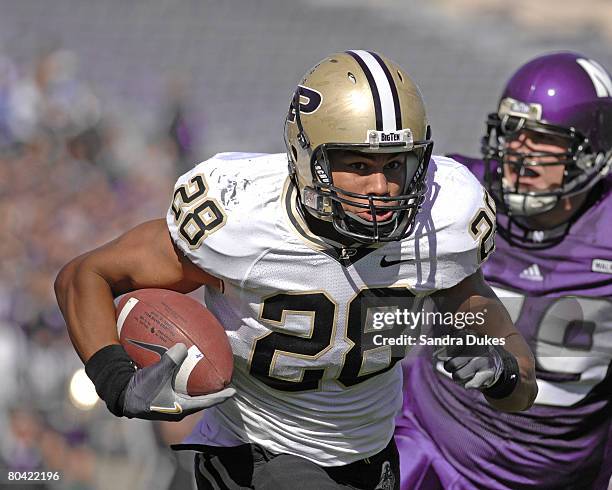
(599, 76)
(386, 137)
(310, 101)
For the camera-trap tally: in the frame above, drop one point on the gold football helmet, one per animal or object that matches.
(357, 101)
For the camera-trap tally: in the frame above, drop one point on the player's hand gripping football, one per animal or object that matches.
(150, 393)
(489, 368)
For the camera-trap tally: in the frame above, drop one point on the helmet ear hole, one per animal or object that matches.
(399, 74)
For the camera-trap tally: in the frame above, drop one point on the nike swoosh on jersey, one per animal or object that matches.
(388, 263)
(158, 349)
(175, 409)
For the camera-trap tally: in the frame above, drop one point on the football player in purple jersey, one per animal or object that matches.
(546, 162)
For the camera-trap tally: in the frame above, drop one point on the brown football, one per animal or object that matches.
(150, 321)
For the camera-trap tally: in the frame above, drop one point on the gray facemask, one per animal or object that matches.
(524, 205)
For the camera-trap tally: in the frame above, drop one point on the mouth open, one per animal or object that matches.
(528, 181)
(526, 171)
(529, 172)
(381, 216)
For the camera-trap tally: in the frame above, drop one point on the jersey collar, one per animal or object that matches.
(345, 254)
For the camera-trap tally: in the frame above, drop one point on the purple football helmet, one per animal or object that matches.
(563, 97)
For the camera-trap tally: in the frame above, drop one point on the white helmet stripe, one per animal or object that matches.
(384, 89)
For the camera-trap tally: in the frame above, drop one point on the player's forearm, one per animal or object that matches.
(473, 295)
(86, 301)
(524, 394)
(497, 323)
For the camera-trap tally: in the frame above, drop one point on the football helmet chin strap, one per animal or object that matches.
(521, 204)
(327, 202)
(534, 203)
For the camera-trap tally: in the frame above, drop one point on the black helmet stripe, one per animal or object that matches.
(376, 97)
(384, 91)
(394, 94)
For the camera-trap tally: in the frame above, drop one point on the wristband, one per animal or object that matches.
(508, 379)
(111, 369)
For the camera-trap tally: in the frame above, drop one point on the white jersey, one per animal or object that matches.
(309, 380)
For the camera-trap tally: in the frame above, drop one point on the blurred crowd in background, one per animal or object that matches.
(72, 177)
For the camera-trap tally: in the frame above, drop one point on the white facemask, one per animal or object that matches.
(522, 205)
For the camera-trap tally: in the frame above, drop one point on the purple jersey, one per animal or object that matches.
(560, 299)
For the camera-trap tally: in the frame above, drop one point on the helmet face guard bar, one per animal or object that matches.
(581, 171)
(580, 166)
(326, 199)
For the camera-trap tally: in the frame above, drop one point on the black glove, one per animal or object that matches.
(146, 393)
(489, 368)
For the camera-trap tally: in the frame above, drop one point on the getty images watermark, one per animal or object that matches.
(410, 323)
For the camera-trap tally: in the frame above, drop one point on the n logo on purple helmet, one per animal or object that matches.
(598, 75)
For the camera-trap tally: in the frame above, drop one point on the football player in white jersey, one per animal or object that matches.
(296, 265)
